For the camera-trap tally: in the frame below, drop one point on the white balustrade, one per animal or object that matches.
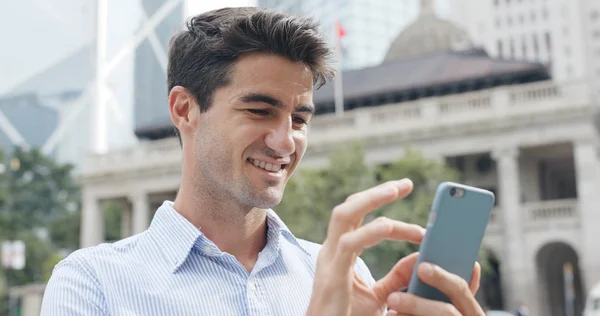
(493, 103)
(550, 210)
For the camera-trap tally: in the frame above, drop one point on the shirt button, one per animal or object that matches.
(207, 250)
(252, 284)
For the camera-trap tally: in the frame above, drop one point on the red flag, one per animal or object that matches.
(339, 29)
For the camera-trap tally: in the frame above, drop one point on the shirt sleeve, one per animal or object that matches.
(363, 271)
(72, 291)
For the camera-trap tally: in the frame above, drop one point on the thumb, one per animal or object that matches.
(397, 279)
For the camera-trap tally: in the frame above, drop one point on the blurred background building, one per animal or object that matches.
(564, 35)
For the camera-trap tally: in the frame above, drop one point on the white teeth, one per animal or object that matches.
(266, 166)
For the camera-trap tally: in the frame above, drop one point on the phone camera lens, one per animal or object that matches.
(453, 192)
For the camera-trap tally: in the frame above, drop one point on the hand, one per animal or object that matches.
(337, 290)
(456, 288)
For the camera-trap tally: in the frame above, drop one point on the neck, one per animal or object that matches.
(237, 230)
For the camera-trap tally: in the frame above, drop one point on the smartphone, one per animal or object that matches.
(455, 229)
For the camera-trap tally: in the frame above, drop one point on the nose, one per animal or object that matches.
(281, 139)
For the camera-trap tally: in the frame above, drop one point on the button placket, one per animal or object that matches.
(252, 284)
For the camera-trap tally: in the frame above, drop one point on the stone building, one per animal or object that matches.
(505, 124)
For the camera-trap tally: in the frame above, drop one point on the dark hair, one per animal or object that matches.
(201, 57)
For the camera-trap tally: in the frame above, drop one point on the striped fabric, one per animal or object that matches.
(173, 269)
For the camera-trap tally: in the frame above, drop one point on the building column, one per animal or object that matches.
(126, 219)
(587, 170)
(515, 272)
(92, 220)
(141, 211)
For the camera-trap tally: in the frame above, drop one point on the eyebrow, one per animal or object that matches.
(263, 98)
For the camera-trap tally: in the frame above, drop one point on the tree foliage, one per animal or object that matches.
(35, 191)
(312, 193)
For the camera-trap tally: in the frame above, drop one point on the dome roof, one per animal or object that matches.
(426, 35)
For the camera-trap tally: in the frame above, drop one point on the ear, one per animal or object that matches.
(181, 109)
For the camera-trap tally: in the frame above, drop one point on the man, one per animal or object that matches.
(240, 96)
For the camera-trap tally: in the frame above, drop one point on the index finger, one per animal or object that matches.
(348, 215)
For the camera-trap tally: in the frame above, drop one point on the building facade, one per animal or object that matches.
(150, 90)
(565, 35)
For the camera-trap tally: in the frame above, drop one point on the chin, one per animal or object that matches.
(268, 199)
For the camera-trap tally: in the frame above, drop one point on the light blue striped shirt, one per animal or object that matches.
(173, 269)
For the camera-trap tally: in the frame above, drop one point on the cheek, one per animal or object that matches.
(301, 144)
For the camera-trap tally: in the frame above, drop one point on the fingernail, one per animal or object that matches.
(405, 181)
(427, 269)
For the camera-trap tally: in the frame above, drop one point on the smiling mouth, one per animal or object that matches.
(266, 166)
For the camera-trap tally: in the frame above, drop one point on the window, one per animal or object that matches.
(594, 15)
(548, 39)
(567, 51)
(596, 33)
(533, 16)
(500, 48)
(512, 48)
(536, 47)
(524, 46)
(596, 304)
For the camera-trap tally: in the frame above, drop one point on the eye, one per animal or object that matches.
(299, 120)
(259, 112)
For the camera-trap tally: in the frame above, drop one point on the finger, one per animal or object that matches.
(475, 278)
(406, 303)
(348, 215)
(455, 287)
(392, 312)
(397, 278)
(353, 243)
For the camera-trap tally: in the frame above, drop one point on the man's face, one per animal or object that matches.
(251, 139)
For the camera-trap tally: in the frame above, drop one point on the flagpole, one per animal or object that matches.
(338, 88)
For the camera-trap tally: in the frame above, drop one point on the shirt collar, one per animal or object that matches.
(274, 222)
(177, 237)
(174, 234)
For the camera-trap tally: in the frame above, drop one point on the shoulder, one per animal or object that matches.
(103, 252)
(76, 284)
(360, 267)
(88, 261)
